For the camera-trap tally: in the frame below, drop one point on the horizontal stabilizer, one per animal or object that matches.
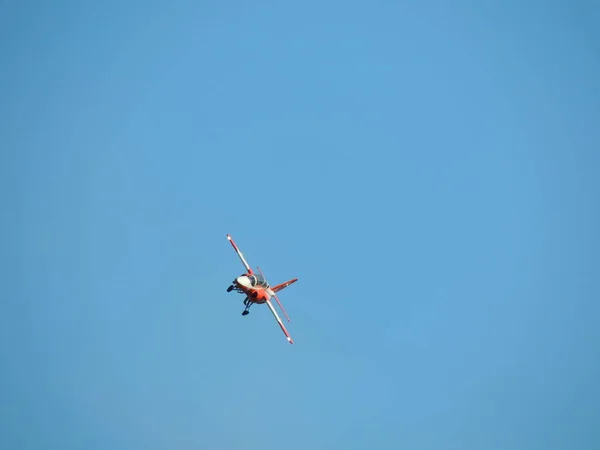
(281, 286)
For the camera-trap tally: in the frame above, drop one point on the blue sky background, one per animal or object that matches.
(428, 170)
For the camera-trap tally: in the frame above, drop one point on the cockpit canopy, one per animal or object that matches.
(257, 279)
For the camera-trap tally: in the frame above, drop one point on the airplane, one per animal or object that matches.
(257, 290)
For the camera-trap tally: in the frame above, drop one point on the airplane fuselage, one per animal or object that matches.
(254, 287)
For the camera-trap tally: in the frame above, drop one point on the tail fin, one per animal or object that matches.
(281, 286)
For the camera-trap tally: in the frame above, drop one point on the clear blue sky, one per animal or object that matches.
(428, 170)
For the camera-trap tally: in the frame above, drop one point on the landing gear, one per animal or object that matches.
(248, 304)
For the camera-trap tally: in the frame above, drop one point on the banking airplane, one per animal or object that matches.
(257, 290)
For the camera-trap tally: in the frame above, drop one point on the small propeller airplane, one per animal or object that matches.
(257, 290)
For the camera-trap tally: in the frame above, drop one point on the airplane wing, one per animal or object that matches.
(287, 335)
(237, 250)
(281, 306)
(272, 293)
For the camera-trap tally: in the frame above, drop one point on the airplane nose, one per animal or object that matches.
(243, 281)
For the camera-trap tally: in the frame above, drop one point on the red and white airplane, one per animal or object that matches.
(257, 290)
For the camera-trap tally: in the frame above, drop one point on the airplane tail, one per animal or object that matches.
(282, 286)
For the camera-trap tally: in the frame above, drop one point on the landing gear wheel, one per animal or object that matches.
(230, 288)
(245, 313)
